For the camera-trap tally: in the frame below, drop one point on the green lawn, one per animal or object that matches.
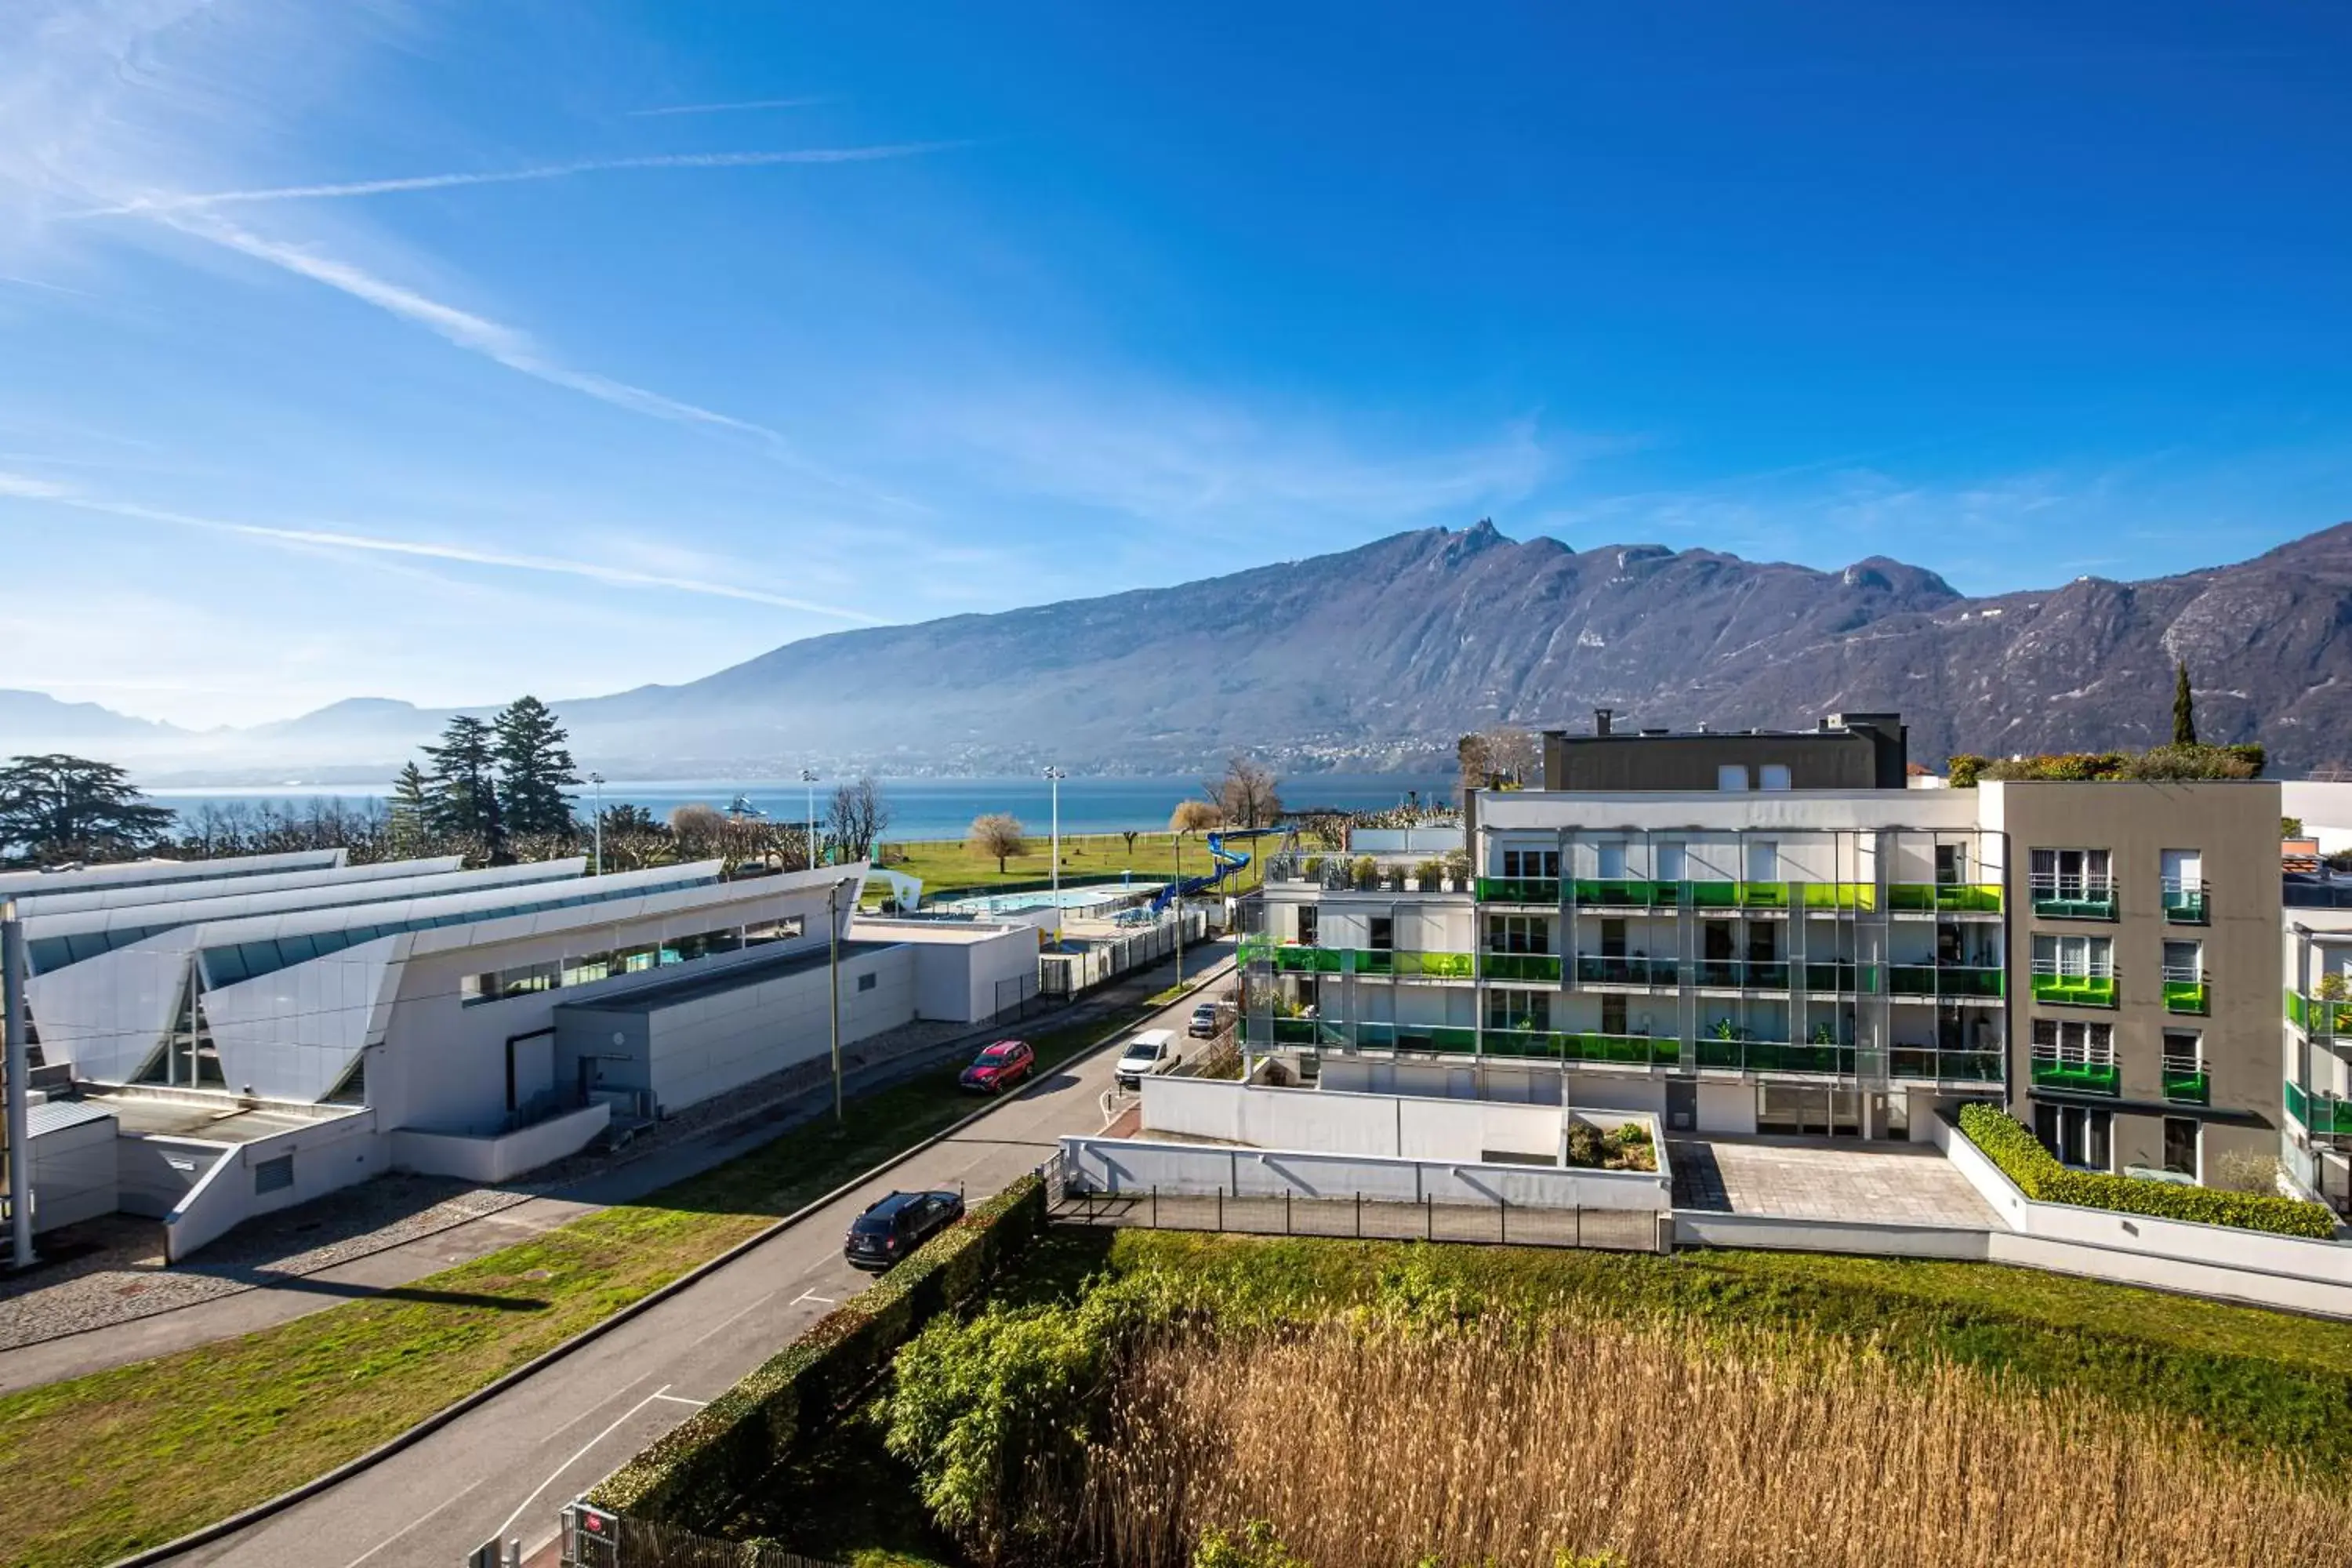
(943, 863)
(103, 1465)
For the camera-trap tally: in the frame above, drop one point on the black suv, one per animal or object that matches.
(897, 1225)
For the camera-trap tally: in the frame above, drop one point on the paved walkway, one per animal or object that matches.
(1825, 1178)
(275, 1299)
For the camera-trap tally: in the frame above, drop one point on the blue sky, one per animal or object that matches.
(444, 351)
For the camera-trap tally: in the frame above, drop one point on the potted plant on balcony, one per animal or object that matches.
(1824, 1035)
(1429, 877)
(1366, 872)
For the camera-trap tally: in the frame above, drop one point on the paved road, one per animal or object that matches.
(503, 1469)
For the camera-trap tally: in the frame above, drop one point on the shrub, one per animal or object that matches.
(1256, 1546)
(2009, 1144)
(2194, 762)
(694, 1474)
(1429, 873)
(1365, 871)
(1964, 769)
(1633, 1133)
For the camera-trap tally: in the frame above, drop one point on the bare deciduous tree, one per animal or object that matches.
(1195, 817)
(1247, 794)
(996, 834)
(856, 816)
(697, 827)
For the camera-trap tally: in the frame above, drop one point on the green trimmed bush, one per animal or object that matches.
(694, 1475)
(2011, 1145)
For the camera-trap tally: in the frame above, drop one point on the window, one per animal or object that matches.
(2184, 963)
(2181, 1145)
(588, 968)
(2074, 1042)
(1951, 865)
(1520, 933)
(1612, 938)
(2074, 957)
(1307, 914)
(1613, 1015)
(1773, 775)
(1380, 933)
(1510, 1009)
(865, 982)
(1732, 777)
(1670, 862)
(2063, 881)
(1531, 863)
(274, 1175)
(1612, 857)
(2078, 1135)
(1763, 860)
(772, 930)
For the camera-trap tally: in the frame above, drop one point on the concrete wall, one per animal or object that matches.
(1430, 842)
(327, 1155)
(502, 1158)
(1327, 1121)
(74, 1172)
(152, 1175)
(1112, 1165)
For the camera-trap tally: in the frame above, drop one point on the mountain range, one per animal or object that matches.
(1379, 657)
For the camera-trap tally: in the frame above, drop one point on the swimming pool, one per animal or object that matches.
(1100, 895)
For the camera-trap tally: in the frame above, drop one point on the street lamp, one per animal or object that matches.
(598, 781)
(808, 777)
(1054, 777)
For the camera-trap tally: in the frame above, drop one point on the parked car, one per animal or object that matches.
(897, 1225)
(999, 1066)
(1204, 1021)
(1152, 1051)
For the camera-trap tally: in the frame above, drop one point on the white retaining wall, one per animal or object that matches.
(325, 1155)
(502, 1158)
(1336, 1123)
(1130, 1165)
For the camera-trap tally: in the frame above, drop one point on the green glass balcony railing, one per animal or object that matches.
(2075, 990)
(1963, 982)
(1432, 965)
(2079, 1077)
(1945, 897)
(1542, 966)
(1840, 896)
(2186, 1083)
(1628, 1050)
(2318, 1018)
(1742, 975)
(1300, 960)
(2321, 1113)
(1596, 969)
(2184, 904)
(1840, 975)
(1772, 1055)
(1617, 893)
(1310, 959)
(2075, 897)
(1518, 890)
(2185, 996)
(1923, 1063)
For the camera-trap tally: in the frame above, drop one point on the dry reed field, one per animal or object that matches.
(1370, 1447)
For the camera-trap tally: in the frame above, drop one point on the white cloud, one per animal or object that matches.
(750, 104)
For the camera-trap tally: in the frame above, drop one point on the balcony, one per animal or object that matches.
(2075, 897)
(1332, 1034)
(1737, 974)
(1773, 1055)
(1620, 893)
(2075, 1077)
(1518, 891)
(1542, 966)
(2186, 1083)
(2185, 992)
(1621, 1050)
(2322, 1114)
(1610, 969)
(1924, 1063)
(1966, 982)
(2184, 902)
(2320, 1018)
(1293, 958)
(1944, 898)
(1839, 974)
(1834, 896)
(2074, 990)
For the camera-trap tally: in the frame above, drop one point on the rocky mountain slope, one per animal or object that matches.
(1378, 657)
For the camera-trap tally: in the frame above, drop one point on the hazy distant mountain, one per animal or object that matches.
(1379, 657)
(32, 721)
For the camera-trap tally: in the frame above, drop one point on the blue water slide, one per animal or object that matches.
(1227, 861)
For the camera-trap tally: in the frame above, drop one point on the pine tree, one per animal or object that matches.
(464, 785)
(2184, 710)
(412, 811)
(533, 768)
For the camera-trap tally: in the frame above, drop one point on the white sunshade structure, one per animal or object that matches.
(124, 895)
(160, 873)
(109, 985)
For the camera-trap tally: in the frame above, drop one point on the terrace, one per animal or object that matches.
(1636, 895)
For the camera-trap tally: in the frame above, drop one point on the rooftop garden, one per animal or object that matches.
(2174, 763)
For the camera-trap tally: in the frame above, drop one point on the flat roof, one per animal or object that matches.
(58, 1115)
(220, 1121)
(677, 990)
(931, 930)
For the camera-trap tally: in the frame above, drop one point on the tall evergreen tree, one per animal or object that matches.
(2184, 708)
(466, 786)
(58, 807)
(410, 828)
(533, 768)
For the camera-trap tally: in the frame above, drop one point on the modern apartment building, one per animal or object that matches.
(1766, 933)
(2318, 1143)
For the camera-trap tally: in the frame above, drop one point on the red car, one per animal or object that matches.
(999, 1066)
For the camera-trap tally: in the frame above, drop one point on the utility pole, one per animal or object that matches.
(14, 1018)
(598, 779)
(1177, 888)
(833, 942)
(1054, 777)
(808, 777)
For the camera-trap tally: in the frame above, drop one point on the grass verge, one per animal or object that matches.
(946, 863)
(105, 1465)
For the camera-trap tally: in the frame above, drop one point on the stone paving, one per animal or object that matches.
(1822, 1178)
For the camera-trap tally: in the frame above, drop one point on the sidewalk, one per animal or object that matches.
(266, 1305)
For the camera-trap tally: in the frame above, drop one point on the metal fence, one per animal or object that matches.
(1357, 1217)
(611, 1541)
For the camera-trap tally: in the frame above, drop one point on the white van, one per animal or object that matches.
(1153, 1050)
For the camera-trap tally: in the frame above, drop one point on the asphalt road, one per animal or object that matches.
(504, 1469)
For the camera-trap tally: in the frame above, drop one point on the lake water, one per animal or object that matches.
(926, 808)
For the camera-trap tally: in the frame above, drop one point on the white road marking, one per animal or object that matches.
(500, 1534)
(418, 1521)
(812, 1296)
(682, 1399)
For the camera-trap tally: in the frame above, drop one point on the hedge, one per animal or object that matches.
(2011, 1145)
(694, 1475)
